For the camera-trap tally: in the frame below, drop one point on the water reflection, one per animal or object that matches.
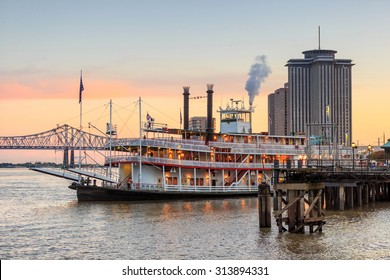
(41, 219)
(188, 207)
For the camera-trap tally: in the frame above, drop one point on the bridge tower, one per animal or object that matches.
(65, 162)
(71, 164)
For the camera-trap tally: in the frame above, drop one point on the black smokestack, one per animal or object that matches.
(186, 95)
(210, 127)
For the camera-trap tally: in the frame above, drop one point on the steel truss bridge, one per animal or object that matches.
(63, 137)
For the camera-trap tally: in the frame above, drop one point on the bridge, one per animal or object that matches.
(64, 137)
(60, 138)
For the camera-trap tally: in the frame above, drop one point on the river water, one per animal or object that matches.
(40, 218)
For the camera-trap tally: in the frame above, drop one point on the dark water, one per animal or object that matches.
(41, 219)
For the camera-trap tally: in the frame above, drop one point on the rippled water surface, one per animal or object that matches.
(40, 218)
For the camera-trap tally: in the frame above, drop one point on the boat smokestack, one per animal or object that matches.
(210, 127)
(186, 95)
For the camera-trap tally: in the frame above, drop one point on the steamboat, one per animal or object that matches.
(165, 163)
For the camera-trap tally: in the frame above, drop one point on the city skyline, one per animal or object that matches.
(152, 49)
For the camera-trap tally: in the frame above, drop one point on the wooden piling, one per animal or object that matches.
(373, 192)
(311, 199)
(292, 198)
(366, 193)
(341, 198)
(275, 174)
(264, 198)
(349, 197)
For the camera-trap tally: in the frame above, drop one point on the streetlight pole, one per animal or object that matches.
(353, 146)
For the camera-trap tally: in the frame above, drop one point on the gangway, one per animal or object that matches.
(62, 173)
(93, 174)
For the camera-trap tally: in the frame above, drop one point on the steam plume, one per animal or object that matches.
(257, 74)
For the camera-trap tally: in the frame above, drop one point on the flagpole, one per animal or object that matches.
(140, 142)
(81, 115)
(81, 100)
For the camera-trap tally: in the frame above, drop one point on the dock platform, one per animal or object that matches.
(303, 194)
(343, 189)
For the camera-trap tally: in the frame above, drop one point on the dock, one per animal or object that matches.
(303, 194)
(343, 189)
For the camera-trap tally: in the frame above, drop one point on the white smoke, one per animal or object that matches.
(257, 74)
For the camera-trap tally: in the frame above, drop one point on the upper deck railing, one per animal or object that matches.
(188, 163)
(199, 146)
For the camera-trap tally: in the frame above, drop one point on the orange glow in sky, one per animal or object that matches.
(152, 49)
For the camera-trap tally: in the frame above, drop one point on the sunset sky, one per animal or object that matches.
(153, 48)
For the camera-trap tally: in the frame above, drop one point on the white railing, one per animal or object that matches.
(189, 163)
(196, 189)
(196, 145)
(269, 151)
(104, 171)
(231, 145)
(192, 145)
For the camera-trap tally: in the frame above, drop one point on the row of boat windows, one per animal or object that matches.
(203, 181)
(217, 157)
(264, 140)
(185, 181)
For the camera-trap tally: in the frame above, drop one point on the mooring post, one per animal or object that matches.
(264, 197)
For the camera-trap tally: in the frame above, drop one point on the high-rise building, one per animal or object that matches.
(277, 111)
(199, 124)
(320, 96)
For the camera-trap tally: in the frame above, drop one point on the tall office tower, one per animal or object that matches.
(199, 124)
(277, 111)
(319, 99)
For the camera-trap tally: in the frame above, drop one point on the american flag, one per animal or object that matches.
(81, 88)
